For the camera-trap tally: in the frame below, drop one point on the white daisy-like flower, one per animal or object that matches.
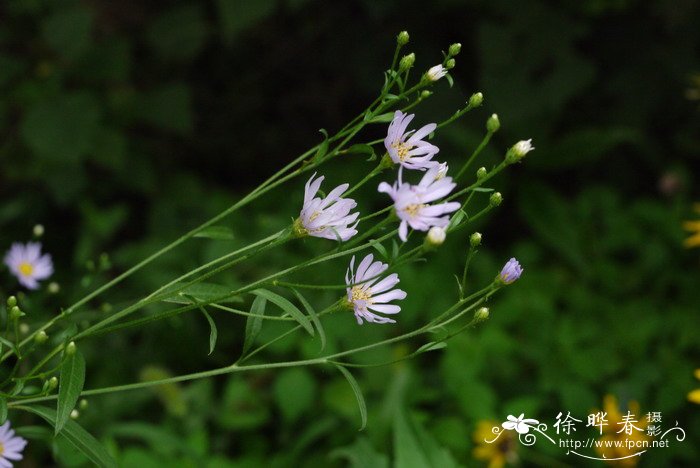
(11, 446)
(408, 148)
(436, 72)
(26, 262)
(328, 217)
(520, 424)
(366, 292)
(412, 202)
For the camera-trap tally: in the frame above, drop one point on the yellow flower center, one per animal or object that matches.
(25, 269)
(413, 209)
(2, 449)
(402, 149)
(359, 294)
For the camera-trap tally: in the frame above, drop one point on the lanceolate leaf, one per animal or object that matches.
(254, 324)
(314, 317)
(77, 436)
(288, 307)
(213, 333)
(216, 232)
(70, 385)
(358, 393)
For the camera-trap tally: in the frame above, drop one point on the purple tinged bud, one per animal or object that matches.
(511, 271)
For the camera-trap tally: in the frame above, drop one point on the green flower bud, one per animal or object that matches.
(15, 313)
(71, 348)
(407, 62)
(481, 314)
(475, 239)
(425, 94)
(518, 151)
(75, 414)
(54, 287)
(403, 38)
(481, 173)
(23, 328)
(11, 301)
(450, 64)
(454, 49)
(38, 230)
(41, 337)
(435, 238)
(475, 100)
(493, 124)
(496, 199)
(83, 404)
(53, 383)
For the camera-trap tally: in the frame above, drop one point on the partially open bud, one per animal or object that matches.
(454, 49)
(475, 239)
(495, 199)
(493, 124)
(435, 73)
(436, 237)
(407, 62)
(511, 271)
(71, 348)
(475, 100)
(481, 173)
(403, 38)
(481, 314)
(41, 337)
(519, 150)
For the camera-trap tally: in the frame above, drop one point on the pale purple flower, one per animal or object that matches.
(26, 262)
(408, 148)
(367, 292)
(328, 217)
(511, 271)
(11, 446)
(436, 72)
(520, 424)
(412, 202)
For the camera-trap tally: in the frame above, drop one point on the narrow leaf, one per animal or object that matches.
(216, 232)
(381, 118)
(323, 147)
(314, 317)
(3, 410)
(77, 436)
(432, 346)
(70, 385)
(213, 332)
(482, 189)
(358, 393)
(254, 324)
(288, 307)
(202, 292)
(379, 248)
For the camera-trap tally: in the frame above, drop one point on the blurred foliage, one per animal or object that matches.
(124, 124)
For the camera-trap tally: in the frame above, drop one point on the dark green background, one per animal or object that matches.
(125, 124)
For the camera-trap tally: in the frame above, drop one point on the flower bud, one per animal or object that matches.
(436, 237)
(511, 271)
(71, 348)
(475, 100)
(54, 287)
(15, 313)
(454, 49)
(53, 383)
(23, 328)
(481, 173)
(425, 94)
(481, 314)
(41, 337)
(83, 404)
(519, 150)
(493, 124)
(450, 64)
(38, 230)
(407, 62)
(475, 239)
(386, 162)
(11, 301)
(435, 73)
(403, 38)
(75, 414)
(495, 199)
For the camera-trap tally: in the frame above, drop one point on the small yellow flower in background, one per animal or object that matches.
(694, 227)
(615, 431)
(498, 453)
(694, 396)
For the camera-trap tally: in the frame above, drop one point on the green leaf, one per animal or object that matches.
(216, 232)
(3, 410)
(288, 307)
(205, 293)
(382, 118)
(213, 332)
(71, 384)
(314, 317)
(358, 393)
(360, 148)
(379, 248)
(415, 448)
(77, 436)
(432, 346)
(323, 147)
(254, 324)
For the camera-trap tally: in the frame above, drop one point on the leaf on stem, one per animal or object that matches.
(323, 147)
(382, 118)
(254, 324)
(379, 248)
(205, 293)
(216, 232)
(288, 307)
(71, 384)
(314, 317)
(358, 393)
(213, 332)
(77, 436)
(3, 410)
